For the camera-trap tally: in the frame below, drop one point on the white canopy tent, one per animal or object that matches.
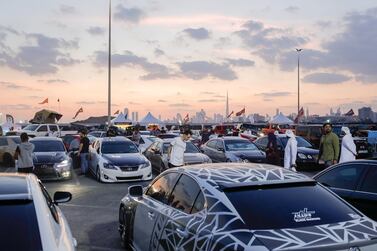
(280, 119)
(121, 119)
(150, 119)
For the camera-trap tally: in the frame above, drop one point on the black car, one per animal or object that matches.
(50, 159)
(354, 181)
(233, 149)
(307, 156)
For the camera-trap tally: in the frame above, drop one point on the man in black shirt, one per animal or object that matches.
(84, 152)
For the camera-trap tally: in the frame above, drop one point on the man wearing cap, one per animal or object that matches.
(329, 146)
(84, 152)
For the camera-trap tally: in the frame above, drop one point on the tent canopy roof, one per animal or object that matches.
(46, 116)
(150, 119)
(280, 119)
(121, 119)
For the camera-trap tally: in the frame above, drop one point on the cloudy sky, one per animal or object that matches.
(181, 56)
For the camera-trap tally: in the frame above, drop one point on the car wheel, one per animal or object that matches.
(124, 234)
(8, 160)
(98, 175)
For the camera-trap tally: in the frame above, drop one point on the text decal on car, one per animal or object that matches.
(305, 215)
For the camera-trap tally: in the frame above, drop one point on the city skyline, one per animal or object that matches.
(169, 59)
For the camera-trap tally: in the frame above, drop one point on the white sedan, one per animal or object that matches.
(118, 159)
(30, 219)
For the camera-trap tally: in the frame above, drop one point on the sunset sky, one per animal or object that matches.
(181, 56)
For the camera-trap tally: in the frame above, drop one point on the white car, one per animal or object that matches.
(30, 219)
(40, 130)
(116, 159)
(146, 141)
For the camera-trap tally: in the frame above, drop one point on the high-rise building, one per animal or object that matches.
(137, 116)
(277, 111)
(366, 114)
(133, 116)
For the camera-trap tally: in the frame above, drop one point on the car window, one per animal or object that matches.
(301, 142)
(113, 147)
(219, 144)
(298, 206)
(162, 187)
(19, 226)
(3, 141)
(48, 146)
(42, 128)
(31, 127)
(184, 194)
(141, 141)
(212, 144)
(239, 145)
(370, 182)
(50, 204)
(16, 140)
(199, 203)
(344, 177)
(191, 148)
(263, 141)
(53, 128)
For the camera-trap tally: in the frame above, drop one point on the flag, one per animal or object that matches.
(186, 118)
(230, 114)
(241, 112)
(300, 114)
(117, 112)
(77, 113)
(44, 102)
(349, 113)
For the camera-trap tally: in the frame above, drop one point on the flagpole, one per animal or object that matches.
(109, 73)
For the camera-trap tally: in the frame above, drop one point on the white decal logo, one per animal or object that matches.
(305, 215)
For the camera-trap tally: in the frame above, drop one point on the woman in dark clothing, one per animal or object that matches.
(272, 154)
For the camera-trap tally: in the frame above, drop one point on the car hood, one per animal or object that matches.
(124, 159)
(49, 157)
(307, 150)
(342, 235)
(248, 154)
(195, 158)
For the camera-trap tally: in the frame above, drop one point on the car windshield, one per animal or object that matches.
(190, 148)
(118, 147)
(239, 145)
(153, 139)
(289, 206)
(301, 142)
(19, 226)
(48, 146)
(31, 127)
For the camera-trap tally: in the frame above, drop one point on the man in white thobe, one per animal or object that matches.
(348, 150)
(290, 151)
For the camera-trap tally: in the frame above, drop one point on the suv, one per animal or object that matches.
(40, 130)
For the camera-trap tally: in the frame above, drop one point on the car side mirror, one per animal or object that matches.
(135, 191)
(220, 149)
(62, 197)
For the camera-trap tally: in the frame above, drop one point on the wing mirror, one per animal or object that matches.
(220, 149)
(135, 191)
(62, 197)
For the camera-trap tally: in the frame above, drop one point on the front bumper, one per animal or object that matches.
(48, 172)
(112, 175)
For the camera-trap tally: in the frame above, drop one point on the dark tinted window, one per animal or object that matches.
(239, 145)
(191, 148)
(16, 140)
(212, 144)
(370, 181)
(289, 207)
(262, 141)
(3, 141)
(219, 144)
(199, 204)
(42, 129)
(184, 194)
(119, 147)
(48, 146)
(53, 128)
(19, 226)
(344, 177)
(301, 142)
(161, 188)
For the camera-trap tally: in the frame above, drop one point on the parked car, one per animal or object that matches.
(233, 149)
(8, 146)
(67, 129)
(40, 130)
(30, 219)
(354, 181)
(50, 159)
(118, 159)
(168, 135)
(157, 153)
(307, 156)
(313, 134)
(98, 134)
(240, 206)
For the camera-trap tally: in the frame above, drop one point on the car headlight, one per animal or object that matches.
(65, 164)
(310, 157)
(302, 156)
(109, 166)
(145, 165)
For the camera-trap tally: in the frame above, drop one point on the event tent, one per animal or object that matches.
(280, 119)
(121, 119)
(46, 117)
(150, 119)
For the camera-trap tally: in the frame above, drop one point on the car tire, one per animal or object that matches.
(124, 234)
(98, 175)
(8, 160)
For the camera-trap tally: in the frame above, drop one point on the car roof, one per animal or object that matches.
(113, 139)
(14, 186)
(229, 175)
(45, 138)
(233, 138)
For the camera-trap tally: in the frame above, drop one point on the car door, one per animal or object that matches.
(3, 147)
(148, 223)
(42, 130)
(95, 155)
(343, 179)
(209, 149)
(183, 217)
(220, 151)
(365, 196)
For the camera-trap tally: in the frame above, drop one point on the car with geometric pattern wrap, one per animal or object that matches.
(240, 206)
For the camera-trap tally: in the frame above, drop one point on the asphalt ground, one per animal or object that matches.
(93, 211)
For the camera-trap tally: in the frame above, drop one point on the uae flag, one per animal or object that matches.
(44, 102)
(349, 113)
(300, 114)
(241, 112)
(230, 114)
(77, 113)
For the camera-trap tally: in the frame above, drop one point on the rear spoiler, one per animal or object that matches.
(265, 185)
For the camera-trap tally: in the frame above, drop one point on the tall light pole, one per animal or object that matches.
(298, 82)
(109, 73)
